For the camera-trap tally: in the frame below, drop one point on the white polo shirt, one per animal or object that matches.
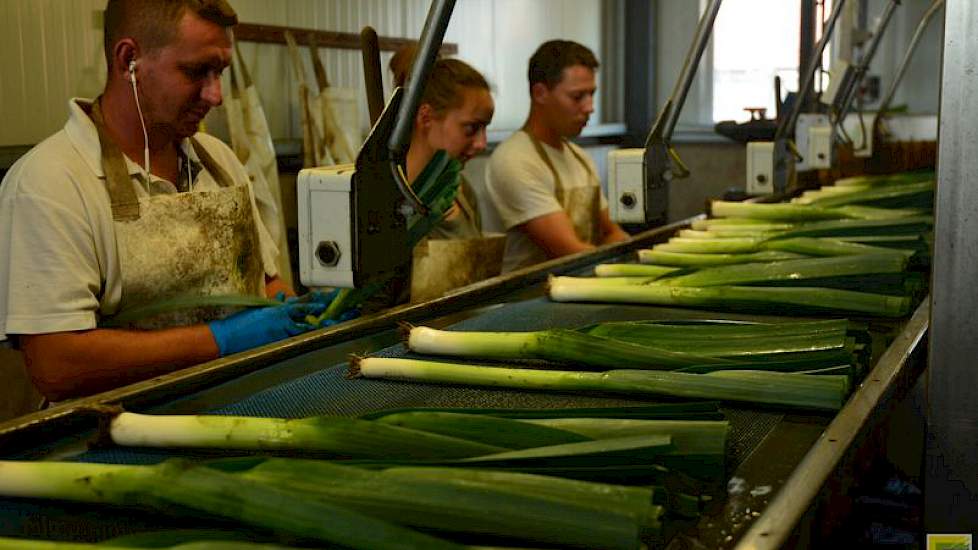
(59, 263)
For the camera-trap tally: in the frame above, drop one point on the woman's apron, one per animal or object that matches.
(582, 203)
(181, 244)
(456, 253)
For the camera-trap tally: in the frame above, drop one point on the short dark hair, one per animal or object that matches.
(547, 64)
(153, 23)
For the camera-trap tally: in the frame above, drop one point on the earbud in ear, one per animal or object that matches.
(132, 70)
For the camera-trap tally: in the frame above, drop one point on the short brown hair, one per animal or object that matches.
(448, 78)
(547, 64)
(153, 23)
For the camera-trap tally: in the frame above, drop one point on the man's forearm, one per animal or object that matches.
(74, 364)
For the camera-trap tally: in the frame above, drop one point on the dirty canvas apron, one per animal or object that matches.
(582, 203)
(181, 244)
(456, 253)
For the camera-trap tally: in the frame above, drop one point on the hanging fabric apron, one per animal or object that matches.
(456, 252)
(252, 144)
(181, 244)
(314, 150)
(582, 203)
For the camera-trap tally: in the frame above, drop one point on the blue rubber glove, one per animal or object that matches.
(256, 327)
(326, 298)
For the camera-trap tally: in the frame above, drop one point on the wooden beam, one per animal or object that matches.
(272, 34)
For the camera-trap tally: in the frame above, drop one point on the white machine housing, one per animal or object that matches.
(626, 185)
(326, 226)
(760, 167)
(813, 137)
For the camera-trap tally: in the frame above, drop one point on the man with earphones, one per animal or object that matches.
(128, 206)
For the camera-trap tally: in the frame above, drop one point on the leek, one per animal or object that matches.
(704, 330)
(808, 246)
(793, 270)
(501, 432)
(773, 211)
(885, 179)
(563, 346)
(827, 247)
(711, 246)
(826, 392)
(694, 410)
(917, 194)
(802, 212)
(566, 289)
(680, 259)
(333, 435)
(631, 270)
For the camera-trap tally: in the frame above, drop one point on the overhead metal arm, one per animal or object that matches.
(661, 162)
(914, 41)
(678, 98)
(854, 75)
(432, 36)
(784, 149)
(431, 39)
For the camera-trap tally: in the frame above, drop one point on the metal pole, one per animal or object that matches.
(951, 486)
(372, 78)
(921, 27)
(431, 39)
(806, 37)
(787, 126)
(703, 31)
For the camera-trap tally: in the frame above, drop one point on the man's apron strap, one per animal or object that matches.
(219, 174)
(125, 204)
(558, 183)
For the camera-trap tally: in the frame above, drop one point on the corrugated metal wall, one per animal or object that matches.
(50, 51)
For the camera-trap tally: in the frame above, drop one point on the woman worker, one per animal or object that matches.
(455, 109)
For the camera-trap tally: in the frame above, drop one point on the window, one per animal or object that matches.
(753, 42)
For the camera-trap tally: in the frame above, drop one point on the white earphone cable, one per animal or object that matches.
(142, 123)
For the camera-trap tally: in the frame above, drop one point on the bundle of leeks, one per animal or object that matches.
(355, 507)
(855, 247)
(515, 475)
(579, 441)
(807, 365)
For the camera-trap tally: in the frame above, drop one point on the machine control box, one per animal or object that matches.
(326, 241)
(813, 135)
(626, 185)
(760, 167)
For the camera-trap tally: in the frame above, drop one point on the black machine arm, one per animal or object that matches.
(661, 162)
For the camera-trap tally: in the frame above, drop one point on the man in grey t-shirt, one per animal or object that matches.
(544, 188)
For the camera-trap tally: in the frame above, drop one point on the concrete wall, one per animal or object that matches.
(715, 168)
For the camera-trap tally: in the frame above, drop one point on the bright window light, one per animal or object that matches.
(754, 41)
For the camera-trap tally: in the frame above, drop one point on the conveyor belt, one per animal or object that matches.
(765, 449)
